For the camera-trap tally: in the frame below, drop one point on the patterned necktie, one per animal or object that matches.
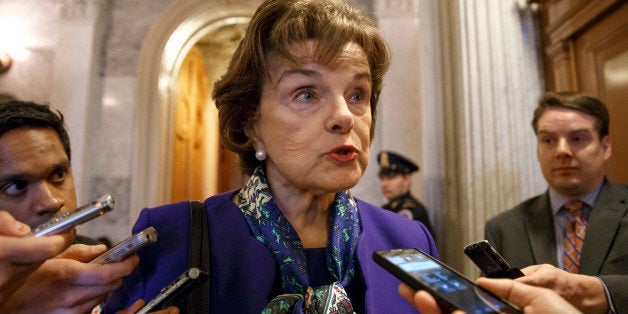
(574, 237)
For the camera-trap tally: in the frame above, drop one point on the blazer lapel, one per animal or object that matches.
(602, 228)
(377, 280)
(540, 224)
(377, 235)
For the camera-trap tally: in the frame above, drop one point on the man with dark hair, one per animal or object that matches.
(36, 184)
(395, 173)
(24, 123)
(580, 224)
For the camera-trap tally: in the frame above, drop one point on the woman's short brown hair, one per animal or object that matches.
(275, 26)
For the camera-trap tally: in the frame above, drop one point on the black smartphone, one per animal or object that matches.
(76, 217)
(492, 264)
(127, 247)
(451, 290)
(176, 291)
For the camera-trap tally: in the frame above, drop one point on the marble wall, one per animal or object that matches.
(125, 26)
(81, 56)
(493, 69)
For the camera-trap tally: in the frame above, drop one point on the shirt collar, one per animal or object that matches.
(557, 200)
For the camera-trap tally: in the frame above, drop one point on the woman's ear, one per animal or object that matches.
(254, 140)
(258, 146)
(248, 131)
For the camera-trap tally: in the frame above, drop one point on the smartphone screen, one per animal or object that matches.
(450, 289)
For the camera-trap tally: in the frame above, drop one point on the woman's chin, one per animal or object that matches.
(343, 183)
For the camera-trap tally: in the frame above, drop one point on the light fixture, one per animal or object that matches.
(5, 62)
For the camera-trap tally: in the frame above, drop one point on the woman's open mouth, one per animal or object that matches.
(343, 153)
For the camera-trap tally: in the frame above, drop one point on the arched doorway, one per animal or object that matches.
(201, 166)
(186, 24)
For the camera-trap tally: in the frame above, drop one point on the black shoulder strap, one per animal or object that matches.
(198, 302)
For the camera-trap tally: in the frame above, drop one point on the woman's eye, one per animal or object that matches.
(306, 96)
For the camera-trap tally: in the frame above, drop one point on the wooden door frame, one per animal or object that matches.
(560, 21)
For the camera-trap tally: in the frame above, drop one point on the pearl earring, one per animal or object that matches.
(260, 155)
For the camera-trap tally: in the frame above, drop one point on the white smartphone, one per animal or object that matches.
(127, 247)
(450, 289)
(76, 217)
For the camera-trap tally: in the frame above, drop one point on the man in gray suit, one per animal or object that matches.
(573, 147)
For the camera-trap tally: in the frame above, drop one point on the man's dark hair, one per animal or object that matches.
(574, 101)
(17, 114)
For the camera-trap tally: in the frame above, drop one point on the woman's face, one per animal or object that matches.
(314, 121)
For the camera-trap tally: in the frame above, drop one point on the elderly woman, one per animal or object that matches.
(297, 104)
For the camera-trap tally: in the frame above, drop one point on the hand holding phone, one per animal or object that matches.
(450, 289)
(127, 247)
(76, 217)
(176, 291)
(492, 264)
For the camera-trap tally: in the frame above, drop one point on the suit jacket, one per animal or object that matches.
(525, 236)
(243, 273)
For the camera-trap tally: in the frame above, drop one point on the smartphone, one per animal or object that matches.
(492, 264)
(176, 291)
(76, 217)
(127, 247)
(450, 289)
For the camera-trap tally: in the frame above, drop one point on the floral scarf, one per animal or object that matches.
(271, 227)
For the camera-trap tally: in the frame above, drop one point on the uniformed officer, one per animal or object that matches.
(394, 177)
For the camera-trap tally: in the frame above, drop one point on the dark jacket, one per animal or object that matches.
(525, 236)
(416, 208)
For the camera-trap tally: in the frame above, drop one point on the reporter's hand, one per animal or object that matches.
(584, 292)
(139, 304)
(530, 299)
(421, 300)
(20, 254)
(68, 283)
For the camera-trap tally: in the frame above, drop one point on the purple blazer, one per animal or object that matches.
(243, 273)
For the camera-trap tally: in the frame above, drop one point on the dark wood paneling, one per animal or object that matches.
(586, 48)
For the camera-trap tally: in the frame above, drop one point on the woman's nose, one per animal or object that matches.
(341, 118)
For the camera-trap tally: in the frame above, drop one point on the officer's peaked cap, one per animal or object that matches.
(393, 163)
